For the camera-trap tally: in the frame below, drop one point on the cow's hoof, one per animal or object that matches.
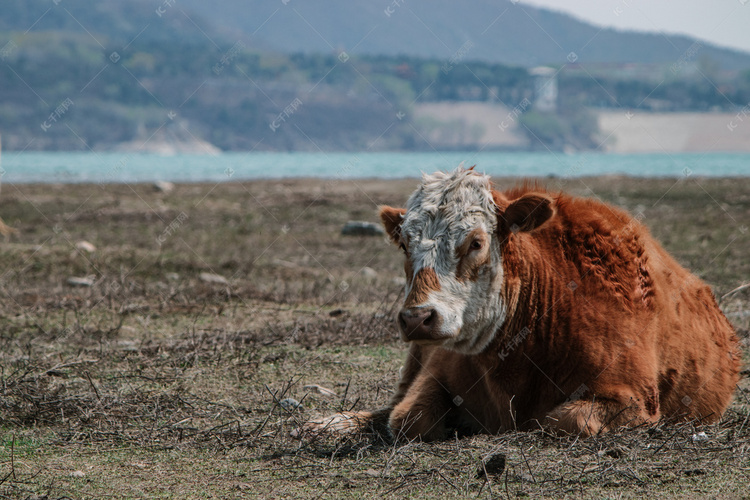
(338, 425)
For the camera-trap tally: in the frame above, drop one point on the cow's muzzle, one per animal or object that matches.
(420, 324)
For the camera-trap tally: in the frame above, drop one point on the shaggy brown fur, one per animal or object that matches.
(604, 329)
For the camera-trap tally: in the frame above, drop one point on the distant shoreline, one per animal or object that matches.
(624, 131)
(322, 184)
(465, 126)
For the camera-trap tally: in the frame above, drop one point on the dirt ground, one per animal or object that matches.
(203, 309)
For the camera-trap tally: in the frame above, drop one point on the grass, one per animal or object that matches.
(156, 383)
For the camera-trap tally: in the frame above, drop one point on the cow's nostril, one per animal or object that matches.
(402, 322)
(429, 320)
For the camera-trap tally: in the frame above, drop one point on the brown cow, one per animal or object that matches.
(526, 308)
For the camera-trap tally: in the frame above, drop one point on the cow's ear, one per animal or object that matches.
(527, 212)
(392, 219)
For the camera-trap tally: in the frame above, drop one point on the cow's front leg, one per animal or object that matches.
(348, 422)
(345, 423)
(422, 412)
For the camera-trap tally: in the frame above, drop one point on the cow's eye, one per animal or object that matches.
(475, 245)
(402, 247)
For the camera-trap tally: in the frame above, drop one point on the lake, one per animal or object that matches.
(67, 167)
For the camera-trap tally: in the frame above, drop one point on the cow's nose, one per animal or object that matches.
(418, 324)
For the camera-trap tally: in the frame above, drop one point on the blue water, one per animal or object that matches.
(130, 168)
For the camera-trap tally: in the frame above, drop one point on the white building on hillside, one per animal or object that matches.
(545, 88)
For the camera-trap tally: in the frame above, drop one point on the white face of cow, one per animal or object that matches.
(454, 268)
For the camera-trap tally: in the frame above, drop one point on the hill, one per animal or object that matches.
(148, 75)
(504, 32)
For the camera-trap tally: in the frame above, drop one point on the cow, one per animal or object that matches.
(530, 309)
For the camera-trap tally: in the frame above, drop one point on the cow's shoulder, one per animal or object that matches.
(607, 248)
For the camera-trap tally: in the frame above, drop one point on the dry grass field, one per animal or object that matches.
(210, 305)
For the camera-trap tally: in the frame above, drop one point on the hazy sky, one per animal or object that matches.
(723, 22)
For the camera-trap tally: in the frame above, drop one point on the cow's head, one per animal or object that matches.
(452, 232)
